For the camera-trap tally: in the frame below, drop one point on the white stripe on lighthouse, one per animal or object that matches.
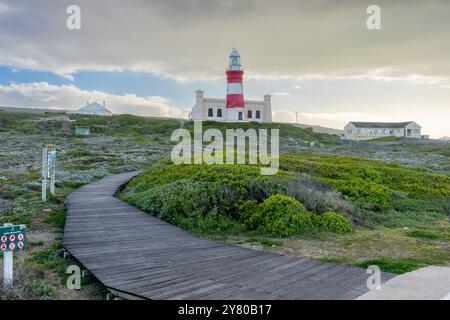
(234, 88)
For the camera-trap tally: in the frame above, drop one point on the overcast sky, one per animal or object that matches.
(315, 57)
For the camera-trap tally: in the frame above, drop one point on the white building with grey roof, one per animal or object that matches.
(372, 130)
(94, 109)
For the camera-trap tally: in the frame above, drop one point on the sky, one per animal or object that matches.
(317, 58)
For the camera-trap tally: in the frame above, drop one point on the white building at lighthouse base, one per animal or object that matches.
(211, 109)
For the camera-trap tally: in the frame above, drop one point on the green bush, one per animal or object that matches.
(371, 184)
(366, 194)
(331, 221)
(281, 216)
(246, 210)
(209, 222)
(177, 200)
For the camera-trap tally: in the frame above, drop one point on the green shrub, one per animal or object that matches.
(259, 189)
(246, 210)
(209, 222)
(371, 184)
(177, 200)
(319, 197)
(331, 221)
(281, 216)
(366, 194)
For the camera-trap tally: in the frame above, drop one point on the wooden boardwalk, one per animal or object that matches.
(132, 252)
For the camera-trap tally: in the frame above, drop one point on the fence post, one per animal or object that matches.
(44, 173)
(7, 265)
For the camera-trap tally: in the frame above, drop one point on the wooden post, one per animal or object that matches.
(52, 179)
(44, 173)
(7, 265)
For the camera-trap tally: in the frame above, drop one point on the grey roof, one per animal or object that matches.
(389, 125)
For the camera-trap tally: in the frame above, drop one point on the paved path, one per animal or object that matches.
(132, 252)
(429, 283)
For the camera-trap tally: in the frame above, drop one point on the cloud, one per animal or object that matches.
(4, 8)
(283, 116)
(281, 93)
(190, 40)
(69, 97)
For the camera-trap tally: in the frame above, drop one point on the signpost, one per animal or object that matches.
(12, 238)
(48, 169)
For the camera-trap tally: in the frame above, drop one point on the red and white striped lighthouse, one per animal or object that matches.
(235, 89)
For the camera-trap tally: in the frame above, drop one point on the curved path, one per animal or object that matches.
(139, 255)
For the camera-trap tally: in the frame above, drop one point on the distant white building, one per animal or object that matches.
(371, 130)
(94, 109)
(234, 107)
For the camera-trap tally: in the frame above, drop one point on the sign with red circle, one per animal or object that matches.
(13, 238)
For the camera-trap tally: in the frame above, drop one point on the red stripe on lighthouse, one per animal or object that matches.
(235, 101)
(235, 90)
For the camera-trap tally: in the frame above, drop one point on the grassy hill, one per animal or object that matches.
(396, 204)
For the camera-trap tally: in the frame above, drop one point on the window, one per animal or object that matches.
(416, 131)
(358, 131)
(219, 113)
(383, 131)
(258, 114)
(210, 112)
(240, 116)
(249, 114)
(391, 131)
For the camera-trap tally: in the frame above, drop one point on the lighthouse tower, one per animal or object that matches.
(235, 89)
(234, 108)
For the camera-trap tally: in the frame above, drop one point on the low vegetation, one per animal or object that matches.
(311, 195)
(116, 144)
(334, 203)
(220, 197)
